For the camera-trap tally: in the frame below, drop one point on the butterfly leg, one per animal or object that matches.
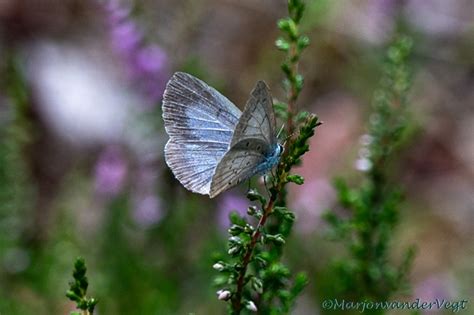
(265, 183)
(273, 177)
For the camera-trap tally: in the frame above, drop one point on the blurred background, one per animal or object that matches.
(81, 156)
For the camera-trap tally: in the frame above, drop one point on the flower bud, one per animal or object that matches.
(223, 295)
(251, 306)
(218, 266)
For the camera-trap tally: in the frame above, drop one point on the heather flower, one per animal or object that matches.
(110, 172)
(146, 64)
(148, 211)
(310, 201)
(230, 202)
(433, 288)
(223, 295)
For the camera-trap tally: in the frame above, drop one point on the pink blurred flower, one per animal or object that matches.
(432, 288)
(440, 17)
(227, 203)
(146, 64)
(110, 172)
(310, 201)
(148, 211)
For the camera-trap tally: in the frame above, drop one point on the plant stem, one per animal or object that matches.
(237, 301)
(292, 93)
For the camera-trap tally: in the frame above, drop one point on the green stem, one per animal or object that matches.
(237, 300)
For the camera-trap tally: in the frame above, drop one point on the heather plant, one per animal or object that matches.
(253, 278)
(149, 243)
(371, 210)
(78, 289)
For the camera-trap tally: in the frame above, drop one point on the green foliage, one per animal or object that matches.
(78, 289)
(253, 279)
(17, 192)
(15, 135)
(374, 206)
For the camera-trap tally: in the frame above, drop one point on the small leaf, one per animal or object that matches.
(300, 282)
(285, 67)
(235, 229)
(302, 43)
(254, 195)
(277, 238)
(257, 285)
(299, 81)
(282, 44)
(284, 24)
(236, 219)
(297, 179)
(72, 296)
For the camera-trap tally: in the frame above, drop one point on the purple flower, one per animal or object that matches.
(116, 13)
(148, 211)
(146, 64)
(110, 172)
(125, 39)
(433, 288)
(151, 67)
(440, 17)
(310, 201)
(229, 202)
(151, 60)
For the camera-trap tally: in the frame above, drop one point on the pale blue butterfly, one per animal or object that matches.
(213, 146)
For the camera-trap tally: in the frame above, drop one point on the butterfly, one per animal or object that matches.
(213, 146)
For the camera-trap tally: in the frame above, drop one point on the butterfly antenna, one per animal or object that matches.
(286, 139)
(281, 130)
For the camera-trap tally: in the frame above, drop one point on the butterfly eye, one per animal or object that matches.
(280, 149)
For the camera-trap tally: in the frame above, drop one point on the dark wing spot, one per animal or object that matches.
(230, 183)
(247, 144)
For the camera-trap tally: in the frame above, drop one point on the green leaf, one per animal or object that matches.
(299, 81)
(236, 219)
(257, 285)
(302, 43)
(235, 229)
(297, 179)
(277, 238)
(282, 44)
(300, 282)
(254, 195)
(284, 24)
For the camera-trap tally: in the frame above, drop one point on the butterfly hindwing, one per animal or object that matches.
(238, 164)
(200, 122)
(253, 141)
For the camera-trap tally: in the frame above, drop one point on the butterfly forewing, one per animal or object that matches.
(200, 122)
(258, 119)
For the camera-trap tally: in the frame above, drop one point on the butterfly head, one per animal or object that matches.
(279, 150)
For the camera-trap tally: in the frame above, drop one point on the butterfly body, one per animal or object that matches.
(213, 146)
